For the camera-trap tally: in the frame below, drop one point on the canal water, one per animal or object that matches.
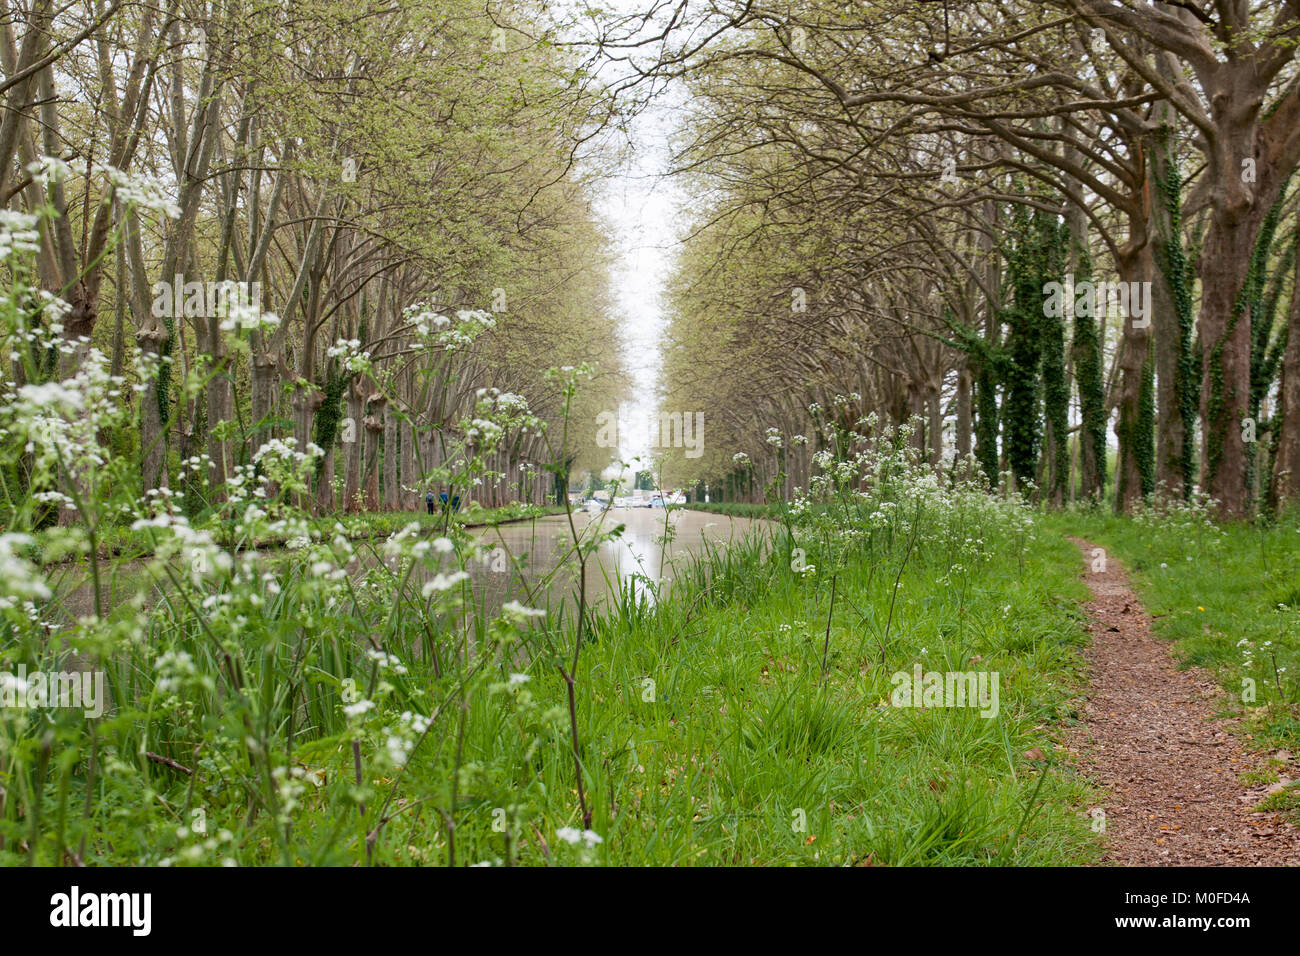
(639, 559)
(643, 558)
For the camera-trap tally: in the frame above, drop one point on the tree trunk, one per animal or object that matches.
(265, 380)
(220, 401)
(1286, 457)
(392, 487)
(1134, 471)
(1168, 299)
(374, 431)
(353, 439)
(410, 498)
(963, 433)
(153, 436)
(1086, 357)
(934, 422)
(1225, 357)
(325, 486)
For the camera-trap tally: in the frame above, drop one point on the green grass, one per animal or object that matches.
(1227, 597)
(1286, 801)
(744, 741)
(709, 731)
(737, 509)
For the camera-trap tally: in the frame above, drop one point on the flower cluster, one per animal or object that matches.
(350, 355)
(143, 192)
(59, 424)
(18, 233)
(20, 580)
(436, 329)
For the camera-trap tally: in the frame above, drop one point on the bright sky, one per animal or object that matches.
(641, 207)
(642, 210)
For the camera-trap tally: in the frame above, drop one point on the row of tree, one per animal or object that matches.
(903, 205)
(397, 198)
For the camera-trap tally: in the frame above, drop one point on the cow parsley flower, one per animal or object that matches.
(516, 611)
(443, 582)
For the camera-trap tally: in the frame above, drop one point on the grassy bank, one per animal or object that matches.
(737, 509)
(750, 752)
(302, 713)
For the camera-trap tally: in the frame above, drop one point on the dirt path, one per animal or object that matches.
(1149, 739)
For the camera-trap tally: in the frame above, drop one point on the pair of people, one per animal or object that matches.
(430, 501)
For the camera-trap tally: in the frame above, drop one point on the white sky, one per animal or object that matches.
(641, 208)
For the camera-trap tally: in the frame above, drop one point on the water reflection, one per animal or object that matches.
(519, 561)
(639, 559)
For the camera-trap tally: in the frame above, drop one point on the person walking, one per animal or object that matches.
(428, 502)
